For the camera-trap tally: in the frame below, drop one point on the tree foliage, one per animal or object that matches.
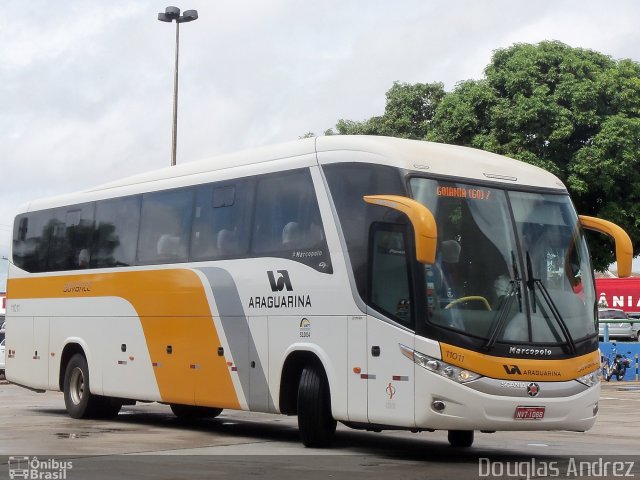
(571, 111)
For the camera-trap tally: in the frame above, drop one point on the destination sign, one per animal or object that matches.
(464, 192)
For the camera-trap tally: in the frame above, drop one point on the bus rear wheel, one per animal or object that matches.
(315, 421)
(461, 438)
(77, 396)
(188, 412)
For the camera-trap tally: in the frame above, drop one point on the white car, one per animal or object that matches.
(616, 330)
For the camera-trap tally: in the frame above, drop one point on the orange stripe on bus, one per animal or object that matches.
(173, 310)
(521, 369)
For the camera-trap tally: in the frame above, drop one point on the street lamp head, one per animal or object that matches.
(188, 16)
(170, 14)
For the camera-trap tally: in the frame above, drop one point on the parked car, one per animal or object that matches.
(616, 330)
(635, 316)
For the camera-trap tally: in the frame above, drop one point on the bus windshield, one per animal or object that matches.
(511, 267)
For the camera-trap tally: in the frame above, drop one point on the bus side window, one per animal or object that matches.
(220, 227)
(116, 233)
(70, 231)
(287, 221)
(280, 202)
(390, 289)
(165, 226)
(79, 231)
(30, 241)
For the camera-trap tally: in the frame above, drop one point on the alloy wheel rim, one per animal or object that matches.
(76, 386)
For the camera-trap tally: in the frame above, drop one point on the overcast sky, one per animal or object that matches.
(86, 85)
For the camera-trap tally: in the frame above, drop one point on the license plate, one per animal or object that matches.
(529, 413)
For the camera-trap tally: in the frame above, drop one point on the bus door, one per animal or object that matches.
(390, 373)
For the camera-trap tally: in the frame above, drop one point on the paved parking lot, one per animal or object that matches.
(248, 445)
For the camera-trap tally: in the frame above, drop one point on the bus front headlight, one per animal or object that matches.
(590, 379)
(439, 367)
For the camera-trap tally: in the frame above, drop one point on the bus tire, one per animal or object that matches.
(315, 421)
(188, 412)
(461, 438)
(78, 400)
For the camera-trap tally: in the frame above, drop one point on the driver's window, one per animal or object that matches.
(390, 290)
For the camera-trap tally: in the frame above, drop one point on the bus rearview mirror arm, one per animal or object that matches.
(624, 248)
(424, 225)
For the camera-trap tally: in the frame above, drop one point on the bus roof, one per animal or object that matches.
(443, 159)
(412, 155)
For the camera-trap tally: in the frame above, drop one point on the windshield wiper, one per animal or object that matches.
(516, 279)
(506, 306)
(531, 284)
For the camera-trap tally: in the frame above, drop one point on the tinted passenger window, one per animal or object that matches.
(165, 226)
(79, 235)
(221, 221)
(116, 235)
(54, 239)
(57, 255)
(287, 221)
(31, 240)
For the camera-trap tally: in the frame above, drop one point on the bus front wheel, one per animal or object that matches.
(461, 438)
(315, 421)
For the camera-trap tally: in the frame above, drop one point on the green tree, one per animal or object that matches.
(571, 111)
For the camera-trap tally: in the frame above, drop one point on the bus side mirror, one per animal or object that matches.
(624, 248)
(424, 225)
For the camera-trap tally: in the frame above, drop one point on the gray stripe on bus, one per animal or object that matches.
(239, 338)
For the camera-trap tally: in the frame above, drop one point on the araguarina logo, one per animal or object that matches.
(512, 369)
(282, 281)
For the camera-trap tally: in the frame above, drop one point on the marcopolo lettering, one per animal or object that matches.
(530, 351)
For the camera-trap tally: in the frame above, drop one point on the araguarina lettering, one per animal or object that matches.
(280, 301)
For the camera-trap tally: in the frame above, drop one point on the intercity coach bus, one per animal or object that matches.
(380, 282)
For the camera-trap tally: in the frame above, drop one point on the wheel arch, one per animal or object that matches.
(293, 365)
(71, 347)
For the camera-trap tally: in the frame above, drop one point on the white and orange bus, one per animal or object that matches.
(379, 282)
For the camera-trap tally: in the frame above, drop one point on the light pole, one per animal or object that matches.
(170, 14)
